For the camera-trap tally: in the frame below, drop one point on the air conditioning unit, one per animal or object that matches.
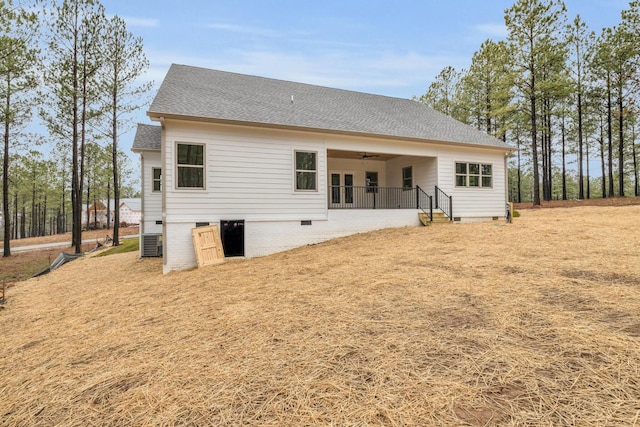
(152, 245)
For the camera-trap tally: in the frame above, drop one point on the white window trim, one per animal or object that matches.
(455, 175)
(295, 172)
(204, 163)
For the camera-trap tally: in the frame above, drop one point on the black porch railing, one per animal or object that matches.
(444, 202)
(424, 202)
(373, 197)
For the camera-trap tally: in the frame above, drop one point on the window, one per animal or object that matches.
(306, 171)
(156, 178)
(190, 165)
(487, 181)
(348, 188)
(474, 175)
(335, 188)
(372, 181)
(407, 177)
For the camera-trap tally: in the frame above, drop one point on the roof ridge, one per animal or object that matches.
(295, 82)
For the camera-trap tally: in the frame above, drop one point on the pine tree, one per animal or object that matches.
(124, 61)
(533, 26)
(18, 83)
(74, 58)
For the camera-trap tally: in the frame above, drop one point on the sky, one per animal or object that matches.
(393, 48)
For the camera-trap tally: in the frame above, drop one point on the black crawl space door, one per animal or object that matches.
(232, 233)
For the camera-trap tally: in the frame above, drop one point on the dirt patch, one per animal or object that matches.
(461, 324)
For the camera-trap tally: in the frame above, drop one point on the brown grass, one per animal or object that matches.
(533, 323)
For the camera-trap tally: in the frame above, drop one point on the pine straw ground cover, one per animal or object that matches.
(533, 323)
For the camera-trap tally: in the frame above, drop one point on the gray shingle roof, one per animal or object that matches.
(200, 93)
(148, 137)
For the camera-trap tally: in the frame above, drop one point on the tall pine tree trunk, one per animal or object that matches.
(586, 146)
(15, 220)
(609, 135)
(88, 204)
(580, 146)
(534, 149)
(604, 176)
(116, 183)
(519, 173)
(5, 184)
(564, 162)
(620, 142)
(76, 189)
(636, 186)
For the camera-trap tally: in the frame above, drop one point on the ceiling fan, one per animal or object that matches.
(369, 156)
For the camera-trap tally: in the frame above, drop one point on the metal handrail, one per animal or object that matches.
(424, 201)
(444, 202)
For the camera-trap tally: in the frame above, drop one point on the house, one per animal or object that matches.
(130, 212)
(278, 164)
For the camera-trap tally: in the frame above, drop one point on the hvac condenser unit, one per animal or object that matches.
(152, 245)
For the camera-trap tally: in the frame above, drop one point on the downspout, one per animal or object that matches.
(506, 179)
(142, 185)
(163, 176)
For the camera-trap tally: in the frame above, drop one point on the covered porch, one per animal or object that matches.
(375, 180)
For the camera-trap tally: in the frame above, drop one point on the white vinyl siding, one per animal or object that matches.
(151, 200)
(473, 202)
(249, 175)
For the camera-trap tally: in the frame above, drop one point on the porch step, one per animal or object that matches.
(438, 218)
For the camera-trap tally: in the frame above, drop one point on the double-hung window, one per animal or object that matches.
(156, 179)
(190, 166)
(306, 170)
(474, 175)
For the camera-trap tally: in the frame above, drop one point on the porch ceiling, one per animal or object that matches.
(359, 155)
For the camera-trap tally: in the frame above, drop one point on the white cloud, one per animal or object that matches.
(492, 30)
(141, 22)
(242, 29)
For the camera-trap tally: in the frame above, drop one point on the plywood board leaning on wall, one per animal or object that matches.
(207, 245)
